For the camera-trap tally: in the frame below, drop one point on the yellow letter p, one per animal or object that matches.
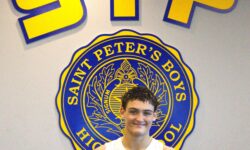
(180, 12)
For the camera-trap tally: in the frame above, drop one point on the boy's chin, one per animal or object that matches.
(139, 133)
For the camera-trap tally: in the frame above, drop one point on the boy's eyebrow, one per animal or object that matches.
(132, 108)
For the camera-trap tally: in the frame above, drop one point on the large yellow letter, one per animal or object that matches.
(26, 5)
(180, 12)
(48, 17)
(124, 9)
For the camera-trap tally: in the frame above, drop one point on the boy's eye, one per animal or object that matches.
(147, 113)
(133, 112)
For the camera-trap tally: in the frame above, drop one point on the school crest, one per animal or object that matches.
(91, 87)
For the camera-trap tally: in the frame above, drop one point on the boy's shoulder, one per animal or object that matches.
(167, 148)
(102, 147)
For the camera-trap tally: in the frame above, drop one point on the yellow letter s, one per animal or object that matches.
(49, 17)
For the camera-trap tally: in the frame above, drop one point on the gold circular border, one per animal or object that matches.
(127, 32)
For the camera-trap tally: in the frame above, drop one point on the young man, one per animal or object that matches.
(138, 111)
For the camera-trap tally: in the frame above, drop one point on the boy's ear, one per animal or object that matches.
(155, 116)
(122, 110)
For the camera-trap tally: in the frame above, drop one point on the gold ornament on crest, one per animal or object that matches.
(126, 74)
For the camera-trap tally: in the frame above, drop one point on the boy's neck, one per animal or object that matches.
(136, 143)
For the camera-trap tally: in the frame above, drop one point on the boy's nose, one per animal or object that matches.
(139, 117)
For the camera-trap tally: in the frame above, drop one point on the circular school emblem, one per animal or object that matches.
(89, 98)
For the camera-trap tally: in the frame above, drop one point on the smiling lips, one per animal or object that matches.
(139, 124)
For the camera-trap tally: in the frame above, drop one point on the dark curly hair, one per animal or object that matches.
(142, 94)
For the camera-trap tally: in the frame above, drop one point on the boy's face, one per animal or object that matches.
(138, 117)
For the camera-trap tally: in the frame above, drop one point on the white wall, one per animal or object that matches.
(216, 47)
